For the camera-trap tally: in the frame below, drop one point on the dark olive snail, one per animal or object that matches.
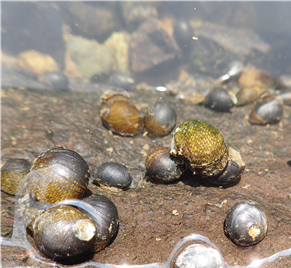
(105, 218)
(58, 174)
(246, 223)
(122, 80)
(233, 171)
(201, 146)
(220, 99)
(160, 118)
(55, 80)
(112, 175)
(120, 115)
(12, 171)
(162, 166)
(198, 255)
(267, 110)
(65, 232)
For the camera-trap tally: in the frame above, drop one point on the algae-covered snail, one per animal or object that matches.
(246, 223)
(74, 227)
(205, 152)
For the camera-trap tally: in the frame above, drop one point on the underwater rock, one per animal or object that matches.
(90, 57)
(151, 45)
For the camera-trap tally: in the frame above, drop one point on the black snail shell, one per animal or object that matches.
(55, 80)
(120, 79)
(220, 99)
(58, 174)
(246, 223)
(267, 110)
(233, 171)
(12, 171)
(105, 218)
(112, 174)
(63, 233)
(75, 228)
(201, 256)
(162, 166)
(160, 118)
(119, 115)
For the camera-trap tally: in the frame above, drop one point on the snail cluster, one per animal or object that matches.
(201, 148)
(66, 231)
(122, 117)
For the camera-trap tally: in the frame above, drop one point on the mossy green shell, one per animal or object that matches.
(202, 147)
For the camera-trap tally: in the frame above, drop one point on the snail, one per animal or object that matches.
(198, 255)
(249, 94)
(121, 79)
(246, 223)
(65, 232)
(55, 80)
(201, 146)
(232, 172)
(58, 174)
(160, 118)
(164, 167)
(119, 115)
(12, 171)
(267, 110)
(112, 175)
(220, 99)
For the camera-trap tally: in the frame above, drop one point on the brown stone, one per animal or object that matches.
(151, 46)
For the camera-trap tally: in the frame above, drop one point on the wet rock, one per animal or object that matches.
(151, 45)
(33, 25)
(117, 43)
(89, 57)
(218, 45)
(36, 63)
(134, 13)
(90, 21)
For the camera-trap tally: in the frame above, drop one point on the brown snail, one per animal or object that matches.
(58, 174)
(249, 94)
(12, 171)
(119, 115)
